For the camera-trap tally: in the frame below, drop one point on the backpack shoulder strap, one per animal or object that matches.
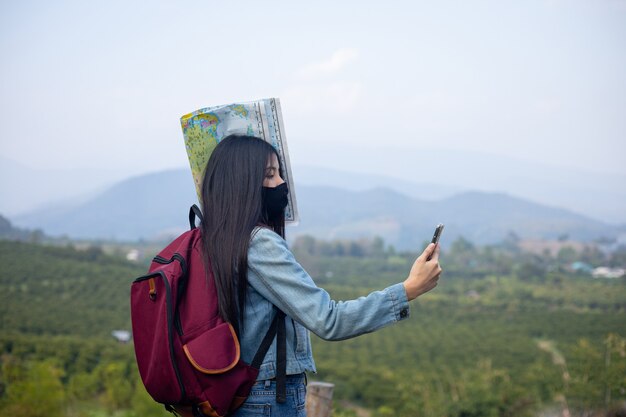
(281, 359)
(194, 211)
(277, 329)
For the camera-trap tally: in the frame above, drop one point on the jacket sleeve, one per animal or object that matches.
(275, 274)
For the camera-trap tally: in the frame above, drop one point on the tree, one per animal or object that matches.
(36, 393)
(117, 388)
(530, 271)
(144, 405)
(355, 250)
(305, 244)
(618, 257)
(592, 255)
(511, 242)
(463, 252)
(36, 236)
(586, 384)
(83, 386)
(567, 255)
(378, 247)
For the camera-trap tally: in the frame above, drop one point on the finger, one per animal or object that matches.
(435, 254)
(428, 251)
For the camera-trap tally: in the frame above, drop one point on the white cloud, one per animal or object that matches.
(339, 60)
(336, 97)
(318, 87)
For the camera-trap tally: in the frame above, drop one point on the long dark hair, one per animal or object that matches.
(232, 203)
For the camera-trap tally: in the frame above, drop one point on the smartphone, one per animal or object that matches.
(436, 236)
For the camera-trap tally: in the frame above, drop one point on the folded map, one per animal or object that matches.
(205, 128)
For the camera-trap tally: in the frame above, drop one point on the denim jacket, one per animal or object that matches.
(275, 278)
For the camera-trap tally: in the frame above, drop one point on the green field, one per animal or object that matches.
(504, 334)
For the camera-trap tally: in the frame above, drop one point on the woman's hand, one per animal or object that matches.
(424, 274)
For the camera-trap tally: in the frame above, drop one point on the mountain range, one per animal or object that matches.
(155, 206)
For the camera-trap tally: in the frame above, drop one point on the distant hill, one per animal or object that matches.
(600, 195)
(140, 207)
(352, 181)
(156, 205)
(24, 189)
(478, 216)
(419, 173)
(8, 231)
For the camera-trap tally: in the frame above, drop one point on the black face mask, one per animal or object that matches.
(275, 201)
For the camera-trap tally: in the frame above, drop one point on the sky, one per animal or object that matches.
(100, 86)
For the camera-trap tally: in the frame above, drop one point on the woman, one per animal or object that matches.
(244, 197)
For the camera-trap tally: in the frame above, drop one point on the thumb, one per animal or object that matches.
(435, 254)
(428, 252)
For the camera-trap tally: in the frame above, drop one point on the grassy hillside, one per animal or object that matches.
(47, 290)
(496, 337)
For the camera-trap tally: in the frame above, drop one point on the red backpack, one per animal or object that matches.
(188, 357)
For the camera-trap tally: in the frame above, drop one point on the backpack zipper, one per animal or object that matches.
(177, 256)
(164, 261)
(168, 301)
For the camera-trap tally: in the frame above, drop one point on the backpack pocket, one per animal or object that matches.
(215, 351)
(223, 379)
(153, 333)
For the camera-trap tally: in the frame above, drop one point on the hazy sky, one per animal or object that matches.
(101, 85)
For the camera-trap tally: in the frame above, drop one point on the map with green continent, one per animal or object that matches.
(203, 129)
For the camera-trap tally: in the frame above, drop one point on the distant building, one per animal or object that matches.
(581, 267)
(122, 336)
(133, 255)
(606, 272)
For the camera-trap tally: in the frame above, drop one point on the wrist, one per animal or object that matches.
(410, 292)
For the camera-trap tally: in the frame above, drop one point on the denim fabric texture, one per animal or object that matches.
(262, 399)
(275, 278)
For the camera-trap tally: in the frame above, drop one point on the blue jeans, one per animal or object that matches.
(262, 399)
